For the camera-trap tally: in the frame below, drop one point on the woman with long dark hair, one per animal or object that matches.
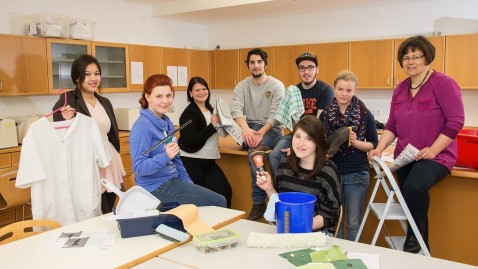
(307, 170)
(85, 99)
(199, 141)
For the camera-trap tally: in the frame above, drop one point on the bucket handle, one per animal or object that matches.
(286, 221)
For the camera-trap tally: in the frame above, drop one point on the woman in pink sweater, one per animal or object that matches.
(427, 112)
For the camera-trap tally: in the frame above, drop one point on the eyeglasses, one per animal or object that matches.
(308, 68)
(413, 58)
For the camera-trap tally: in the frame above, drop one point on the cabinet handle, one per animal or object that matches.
(235, 82)
(388, 80)
(397, 80)
(1, 85)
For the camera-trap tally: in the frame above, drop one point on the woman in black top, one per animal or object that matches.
(199, 141)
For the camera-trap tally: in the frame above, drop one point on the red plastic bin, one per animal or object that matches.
(468, 148)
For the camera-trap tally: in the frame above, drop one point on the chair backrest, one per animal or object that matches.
(11, 196)
(25, 228)
(338, 223)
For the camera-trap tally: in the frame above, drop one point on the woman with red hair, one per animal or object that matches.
(160, 171)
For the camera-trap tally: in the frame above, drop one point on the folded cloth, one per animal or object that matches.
(270, 214)
(290, 108)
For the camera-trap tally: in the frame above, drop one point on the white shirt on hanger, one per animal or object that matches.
(62, 168)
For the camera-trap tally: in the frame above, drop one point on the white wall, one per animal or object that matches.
(125, 22)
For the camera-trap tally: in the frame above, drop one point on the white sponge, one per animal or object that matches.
(294, 240)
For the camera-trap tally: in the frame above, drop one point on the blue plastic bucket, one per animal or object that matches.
(294, 212)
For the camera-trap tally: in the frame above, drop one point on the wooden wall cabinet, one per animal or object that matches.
(149, 57)
(60, 54)
(226, 63)
(284, 66)
(113, 59)
(332, 58)
(23, 65)
(461, 59)
(372, 62)
(174, 57)
(212, 69)
(438, 64)
(199, 65)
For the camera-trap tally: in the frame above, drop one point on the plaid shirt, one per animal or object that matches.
(291, 107)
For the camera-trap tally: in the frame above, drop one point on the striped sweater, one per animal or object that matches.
(325, 186)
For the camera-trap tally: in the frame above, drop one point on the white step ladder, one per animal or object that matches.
(391, 210)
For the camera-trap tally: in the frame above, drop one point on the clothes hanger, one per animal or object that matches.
(58, 109)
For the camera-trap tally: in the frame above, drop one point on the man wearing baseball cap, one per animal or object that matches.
(316, 95)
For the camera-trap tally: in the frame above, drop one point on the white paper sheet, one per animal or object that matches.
(372, 261)
(136, 72)
(407, 156)
(182, 76)
(97, 239)
(173, 74)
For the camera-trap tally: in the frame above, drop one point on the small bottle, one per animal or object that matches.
(259, 162)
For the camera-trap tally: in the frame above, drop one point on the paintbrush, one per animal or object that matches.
(166, 138)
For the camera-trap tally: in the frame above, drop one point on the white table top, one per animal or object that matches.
(244, 257)
(39, 251)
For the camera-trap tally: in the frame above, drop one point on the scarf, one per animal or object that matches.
(354, 116)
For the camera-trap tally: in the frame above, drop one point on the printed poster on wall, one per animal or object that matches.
(136, 72)
(173, 74)
(182, 76)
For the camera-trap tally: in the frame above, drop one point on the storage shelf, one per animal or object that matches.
(112, 77)
(111, 62)
(60, 60)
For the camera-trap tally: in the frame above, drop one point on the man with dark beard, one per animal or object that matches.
(316, 95)
(255, 102)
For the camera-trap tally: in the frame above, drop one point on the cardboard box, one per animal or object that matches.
(126, 117)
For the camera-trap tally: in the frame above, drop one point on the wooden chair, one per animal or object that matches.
(11, 196)
(22, 229)
(338, 223)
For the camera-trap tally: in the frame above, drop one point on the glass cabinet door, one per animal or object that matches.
(114, 68)
(61, 54)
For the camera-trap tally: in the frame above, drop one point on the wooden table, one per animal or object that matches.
(453, 214)
(39, 251)
(244, 257)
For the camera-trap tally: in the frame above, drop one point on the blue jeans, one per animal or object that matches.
(276, 155)
(270, 140)
(176, 190)
(352, 196)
